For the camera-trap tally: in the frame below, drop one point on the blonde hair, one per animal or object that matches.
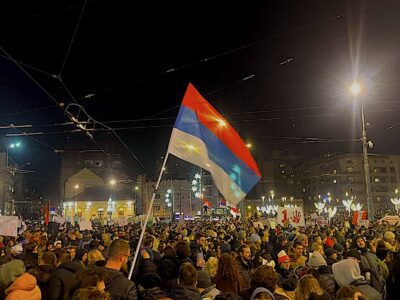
(307, 285)
(211, 266)
(94, 255)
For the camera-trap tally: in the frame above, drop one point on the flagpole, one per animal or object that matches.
(147, 216)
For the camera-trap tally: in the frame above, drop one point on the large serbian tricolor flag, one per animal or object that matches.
(203, 137)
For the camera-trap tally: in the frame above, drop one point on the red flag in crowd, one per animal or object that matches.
(47, 214)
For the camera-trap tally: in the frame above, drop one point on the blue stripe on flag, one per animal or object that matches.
(238, 171)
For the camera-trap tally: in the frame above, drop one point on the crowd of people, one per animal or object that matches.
(203, 259)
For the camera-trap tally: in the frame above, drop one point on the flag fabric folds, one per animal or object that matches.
(203, 137)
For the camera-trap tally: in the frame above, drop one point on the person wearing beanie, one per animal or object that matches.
(283, 267)
(331, 256)
(390, 241)
(339, 248)
(303, 240)
(369, 263)
(326, 278)
(347, 272)
(281, 244)
(262, 292)
(207, 289)
(316, 260)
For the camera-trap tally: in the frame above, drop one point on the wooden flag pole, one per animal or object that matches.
(147, 216)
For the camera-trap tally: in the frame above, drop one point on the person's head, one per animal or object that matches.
(94, 255)
(118, 253)
(360, 242)
(245, 252)
(318, 239)
(331, 253)
(63, 257)
(261, 293)
(48, 258)
(169, 251)
(303, 240)
(17, 251)
(390, 237)
(31, 247)
(228, 270)
(182, 249)
(91, 277)
(349, 291)
(203, 280)
(298, 249)
(306, 286)
(187, 275)
(316, 247)
(72, 252)
(283, 260)
(148, 241)
(90, 293)
(211, 266)
(282, 240)
(200, 239)
(264, 276)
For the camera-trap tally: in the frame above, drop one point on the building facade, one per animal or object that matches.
(334, 177)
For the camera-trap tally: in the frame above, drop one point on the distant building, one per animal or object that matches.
(333, 176)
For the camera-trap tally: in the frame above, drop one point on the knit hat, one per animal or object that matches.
(330, 251)
(301, 238)
(254, 238)
(346, 272)
(389, 235)
(338, 247)
(260, 290)
(17, 250)
(203, 279)
(316, 260)
(225, 248)
(282, 256)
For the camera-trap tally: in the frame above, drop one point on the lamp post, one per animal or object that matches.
(76, 188)
(10, 146)
(110, 200)
(355, 89)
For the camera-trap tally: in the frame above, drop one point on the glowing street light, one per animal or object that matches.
(355, 89)
(248, 145)
(113, 181)
(396, 199)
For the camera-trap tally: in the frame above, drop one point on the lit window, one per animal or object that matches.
(334, 181)
(377, 179)
(350, 169)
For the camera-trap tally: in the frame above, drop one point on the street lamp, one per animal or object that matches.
(356, 89)
(10, 146)
(76, 187)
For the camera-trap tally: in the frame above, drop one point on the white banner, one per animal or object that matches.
(85, 225)
(291, 215)
(9, 225)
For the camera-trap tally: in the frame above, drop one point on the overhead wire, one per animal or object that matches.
(237, 49)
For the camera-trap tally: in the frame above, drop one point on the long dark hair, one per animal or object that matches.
(228, 278)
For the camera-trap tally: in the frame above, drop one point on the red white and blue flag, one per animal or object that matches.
(203, 137)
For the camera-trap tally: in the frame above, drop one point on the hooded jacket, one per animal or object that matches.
(370, 263)
(347, 272)
(10, 271)
(24, 288)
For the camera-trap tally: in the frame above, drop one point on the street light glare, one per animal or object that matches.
(112, 181)
(248, 145)
(355, 88)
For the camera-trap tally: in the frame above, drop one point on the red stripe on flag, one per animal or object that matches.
(218, 125)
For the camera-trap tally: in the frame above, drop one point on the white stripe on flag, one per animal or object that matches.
(193, 150)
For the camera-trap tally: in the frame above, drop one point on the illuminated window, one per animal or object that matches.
(350, 169)
(377, 179)
(334, 181)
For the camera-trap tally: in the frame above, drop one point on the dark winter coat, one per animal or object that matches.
(327, 281)
(119, 287)
(43, 277)
(62, 284)
(246, 268)
(185, 292)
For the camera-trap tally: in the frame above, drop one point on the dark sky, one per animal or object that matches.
(136, 59)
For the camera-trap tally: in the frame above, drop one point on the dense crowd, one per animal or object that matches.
(203, 259)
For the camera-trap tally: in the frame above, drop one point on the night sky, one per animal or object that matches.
(278, 70)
